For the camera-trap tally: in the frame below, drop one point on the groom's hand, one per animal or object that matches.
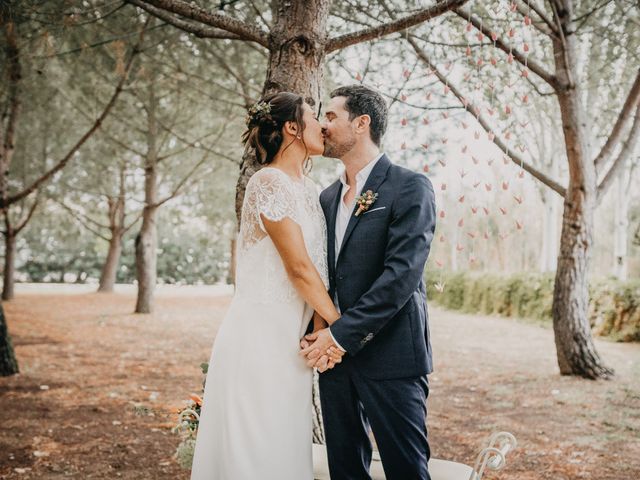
(320, 351)
(322, 362)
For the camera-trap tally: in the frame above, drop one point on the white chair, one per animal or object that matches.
(492, 457)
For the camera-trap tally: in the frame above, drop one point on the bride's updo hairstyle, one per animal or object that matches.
(266, 119)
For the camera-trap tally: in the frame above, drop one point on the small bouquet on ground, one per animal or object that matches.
(187, 427)
(189, 416)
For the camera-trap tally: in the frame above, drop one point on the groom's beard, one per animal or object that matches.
(335, 150)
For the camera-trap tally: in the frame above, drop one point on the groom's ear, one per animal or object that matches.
(362, 123)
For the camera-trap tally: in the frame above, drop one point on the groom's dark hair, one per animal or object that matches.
(363, 100)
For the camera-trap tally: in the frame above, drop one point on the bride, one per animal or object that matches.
(256, 419)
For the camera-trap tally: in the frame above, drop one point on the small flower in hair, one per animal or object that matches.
(257, 111)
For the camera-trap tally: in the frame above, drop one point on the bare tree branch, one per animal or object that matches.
(552, 28)
(517, 159)
(200, 31)
(217, 20)
(98, 18)
(196, 141)
(627, 149)
(584, 17)
(535, 86)
(565, 47)
(630, 14)
(25, 220)
(61, 164)
(84, 220)
(616, 132)
(135, 220)
(399, 25)
(243, 81)
(192, 143)
(184, 180)
(97, 44)
(257, 11)
(537, 68)
(108, 134)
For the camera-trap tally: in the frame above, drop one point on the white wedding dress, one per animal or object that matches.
(256, 420)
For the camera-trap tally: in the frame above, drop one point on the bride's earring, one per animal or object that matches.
(298, 137)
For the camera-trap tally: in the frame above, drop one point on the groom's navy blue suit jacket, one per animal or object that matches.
(378, 275)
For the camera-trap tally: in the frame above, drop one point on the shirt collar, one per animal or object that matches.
(363, 174)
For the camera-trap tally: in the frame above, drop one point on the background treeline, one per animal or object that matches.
(614, 306)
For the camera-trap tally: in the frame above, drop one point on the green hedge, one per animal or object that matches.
(614, 307)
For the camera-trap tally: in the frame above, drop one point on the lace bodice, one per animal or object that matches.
(260, 273)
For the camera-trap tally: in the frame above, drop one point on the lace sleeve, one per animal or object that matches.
(273, 196)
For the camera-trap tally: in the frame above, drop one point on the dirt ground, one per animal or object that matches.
(100, 386)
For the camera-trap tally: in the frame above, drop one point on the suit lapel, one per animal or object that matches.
(376, 177)
(332, 211)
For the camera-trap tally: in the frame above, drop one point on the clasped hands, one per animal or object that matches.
(319, 349)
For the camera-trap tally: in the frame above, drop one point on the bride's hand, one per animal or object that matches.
(330, 359)
(318, 324)
(327, 361)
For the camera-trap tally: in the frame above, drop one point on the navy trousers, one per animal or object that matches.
(395, 410)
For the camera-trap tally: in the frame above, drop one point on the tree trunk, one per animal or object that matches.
(110, 268)
(9, 266)
(117, 216)
(549, 252)
(7, 145)
(8, 362)
(146, 241)
(231, 275)
(296, 63)
(146, 248)
(574, 344)
(621, 229)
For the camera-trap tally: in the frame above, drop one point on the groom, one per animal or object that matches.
(376, 253)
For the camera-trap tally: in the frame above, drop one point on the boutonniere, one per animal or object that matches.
(365, 201)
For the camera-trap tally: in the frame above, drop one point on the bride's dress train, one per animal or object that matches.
(256, 420)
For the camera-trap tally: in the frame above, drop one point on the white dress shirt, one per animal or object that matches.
(344, 215)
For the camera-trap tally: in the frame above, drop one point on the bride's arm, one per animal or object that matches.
(288, 240)
(318, 322)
